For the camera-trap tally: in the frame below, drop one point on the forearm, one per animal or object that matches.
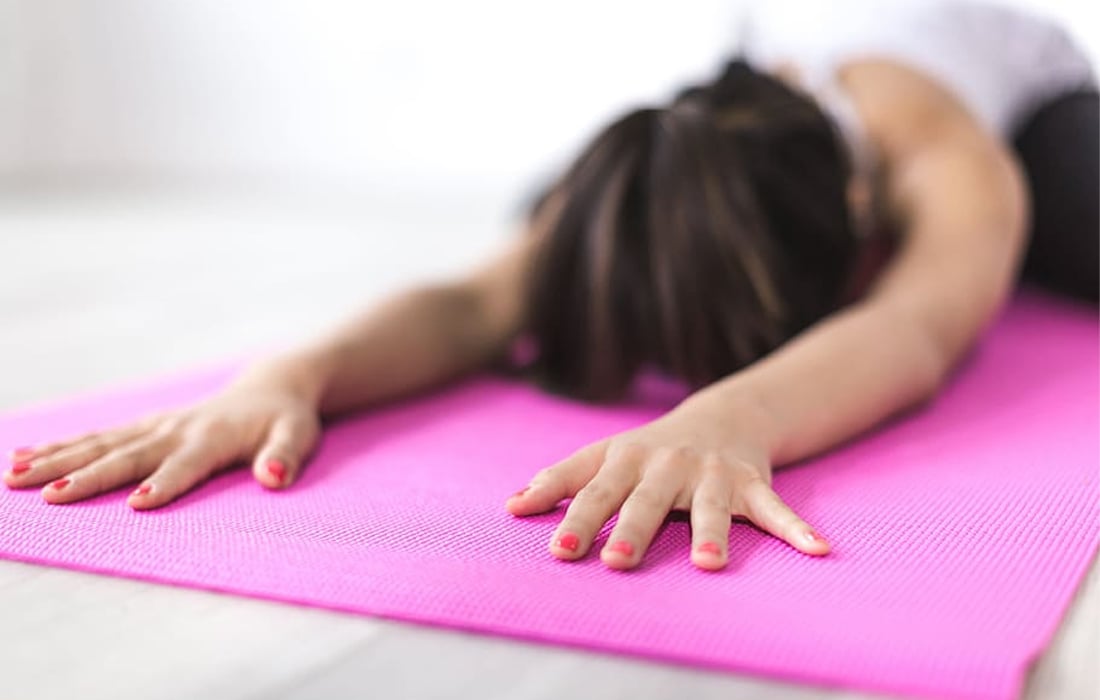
(411, 341)
(960, 198)
(834, 381)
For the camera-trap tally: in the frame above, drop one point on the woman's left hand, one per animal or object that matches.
(689, 459)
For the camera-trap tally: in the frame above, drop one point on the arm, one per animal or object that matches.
(269, 416)
(714, 453)
(414, 340)
(961, 195)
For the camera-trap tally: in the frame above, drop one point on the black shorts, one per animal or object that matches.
(1059, 149)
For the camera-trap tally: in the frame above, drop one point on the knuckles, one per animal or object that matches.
(595, 494)
(629, 451)
(708, 500)
(649, 498)
(167, 428)
(636, 451)
(96, 443)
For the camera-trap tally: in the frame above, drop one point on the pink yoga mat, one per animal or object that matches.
(960, 532)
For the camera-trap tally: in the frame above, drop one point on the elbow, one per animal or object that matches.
(931, 367)
(934, 343)
(932, 381)
(924, 358)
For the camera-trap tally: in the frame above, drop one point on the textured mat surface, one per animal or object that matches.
(959, 532)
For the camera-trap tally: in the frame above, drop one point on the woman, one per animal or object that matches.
(812, 250)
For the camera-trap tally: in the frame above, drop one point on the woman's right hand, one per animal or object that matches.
(261, 422)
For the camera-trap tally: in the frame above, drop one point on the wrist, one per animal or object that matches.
(742, 408)
(305, 374)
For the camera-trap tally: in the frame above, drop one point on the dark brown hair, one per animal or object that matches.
(695, 237)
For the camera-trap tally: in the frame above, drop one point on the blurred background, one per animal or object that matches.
(181, 181)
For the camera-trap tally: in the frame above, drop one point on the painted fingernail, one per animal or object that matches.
(815, 537)
(709, 548)
(569, 541)
(20, 468)
(522, 491)
(276, 469)
(142, 490)
(622, 547)
(60, 484)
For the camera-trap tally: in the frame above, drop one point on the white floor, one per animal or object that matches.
(106, 287)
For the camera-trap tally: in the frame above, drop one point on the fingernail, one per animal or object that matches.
(622, 547)
(569, 541)
(276, 469)
(60, 484)
(142, 490)
(709, 548)
(19, 453)
(814, 536)
(20, 467)
(522, 491)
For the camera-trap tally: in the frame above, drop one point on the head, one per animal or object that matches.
(694, 237)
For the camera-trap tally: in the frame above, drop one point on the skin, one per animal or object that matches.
(958, 195)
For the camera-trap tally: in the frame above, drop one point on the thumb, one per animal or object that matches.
(289, 441)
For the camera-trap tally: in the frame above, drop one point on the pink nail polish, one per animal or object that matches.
(142, 490)
(522, 491)
(622, 547)
(709, 548)
(60, 484)
(20, 468)
(276, 469)
(814, 536)
(569, 541)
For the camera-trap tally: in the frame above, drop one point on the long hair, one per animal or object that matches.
(695, 237)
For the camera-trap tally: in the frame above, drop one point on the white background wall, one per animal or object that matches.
(471, 94)
(391, 91)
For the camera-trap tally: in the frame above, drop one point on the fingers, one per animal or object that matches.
(643, 512)
(593, 506)
(36, 452)
(118, 467)
(171, 453)
(55, 461)
(560, 481)
(19, 455)
(182, 469)
(764, 507)
(289, 442)
(710, 522)
(643, 484)
(23, 459)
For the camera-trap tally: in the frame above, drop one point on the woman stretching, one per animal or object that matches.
(811, 241)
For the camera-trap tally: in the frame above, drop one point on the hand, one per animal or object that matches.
(690, 459)
(170, 453)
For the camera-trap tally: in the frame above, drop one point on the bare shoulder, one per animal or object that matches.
(956, 188)
(926, 138)
(903, 109)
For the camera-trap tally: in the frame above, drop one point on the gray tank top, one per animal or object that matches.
(1002, 63)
